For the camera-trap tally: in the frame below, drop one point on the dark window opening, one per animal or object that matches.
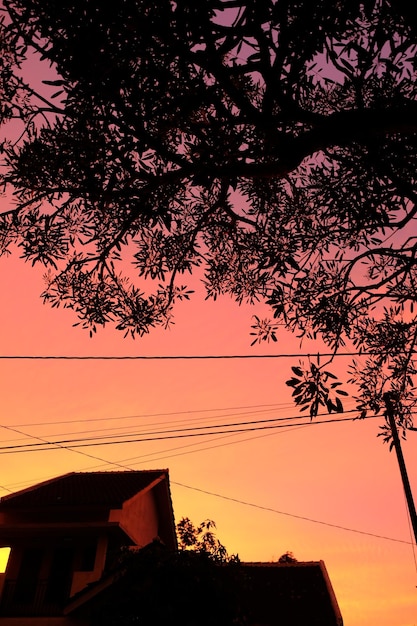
(60, 576)
(28, 577)
(88, 557)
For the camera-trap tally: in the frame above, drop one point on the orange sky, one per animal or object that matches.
(339, 474)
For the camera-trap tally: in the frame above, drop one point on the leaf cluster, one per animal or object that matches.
(202, 539)
(315, 388)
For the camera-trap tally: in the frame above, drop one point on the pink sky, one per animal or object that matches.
(338, 474)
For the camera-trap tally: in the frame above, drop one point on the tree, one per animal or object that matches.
(270, 146)
(159, 586)
(287, 557)
(202, 540)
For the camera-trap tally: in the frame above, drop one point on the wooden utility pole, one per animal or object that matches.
(404, 476)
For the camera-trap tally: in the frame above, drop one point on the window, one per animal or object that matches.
(4, 558)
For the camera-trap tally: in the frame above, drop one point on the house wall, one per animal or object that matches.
(80, 578)
(138, 518)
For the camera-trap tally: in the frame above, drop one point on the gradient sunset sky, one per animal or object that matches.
(322, 491)
(328, 492)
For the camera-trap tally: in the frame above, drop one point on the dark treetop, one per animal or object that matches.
(270, 146)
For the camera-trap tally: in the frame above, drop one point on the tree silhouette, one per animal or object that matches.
(270, 145)
(193, 585)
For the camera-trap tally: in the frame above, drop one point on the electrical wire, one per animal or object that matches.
(293, 515)
(177, 423)
(166, 414)
(178, 357)
(203, 449)
(37, 447)
(122, 463)
(174, 430)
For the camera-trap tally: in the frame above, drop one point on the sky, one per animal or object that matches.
(328, 492)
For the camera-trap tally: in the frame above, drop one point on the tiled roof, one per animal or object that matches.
(299, 593)
(109, 489)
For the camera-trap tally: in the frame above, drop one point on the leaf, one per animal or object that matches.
(55, 83)
(297, 370)
(293, 263)
(330, 406)
(292, 382)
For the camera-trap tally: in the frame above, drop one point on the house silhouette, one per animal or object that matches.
(66, 534)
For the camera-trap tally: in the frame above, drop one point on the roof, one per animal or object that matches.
(89, 489)
(299, 592)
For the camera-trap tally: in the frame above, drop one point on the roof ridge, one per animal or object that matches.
(82, 488)
(282, 564)
(48, 481)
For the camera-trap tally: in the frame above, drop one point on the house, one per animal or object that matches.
(65, 537)
(66, 533)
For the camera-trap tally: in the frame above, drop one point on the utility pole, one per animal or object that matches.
(404, 476)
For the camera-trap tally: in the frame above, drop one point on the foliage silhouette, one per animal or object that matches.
(270, 146)
(193, 585)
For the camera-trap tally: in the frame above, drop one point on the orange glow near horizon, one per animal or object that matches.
(305, 489)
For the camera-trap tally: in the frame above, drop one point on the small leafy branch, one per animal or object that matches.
(263, 330)
(314, 387)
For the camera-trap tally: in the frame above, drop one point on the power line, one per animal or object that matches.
(293, 515)
(166, 414)
(177, 357)
(270, 408)
(203, 449)
(177, 423)
(160, 432)
(179, 430)
(62, 447)
(163, 453)
(40, 447)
